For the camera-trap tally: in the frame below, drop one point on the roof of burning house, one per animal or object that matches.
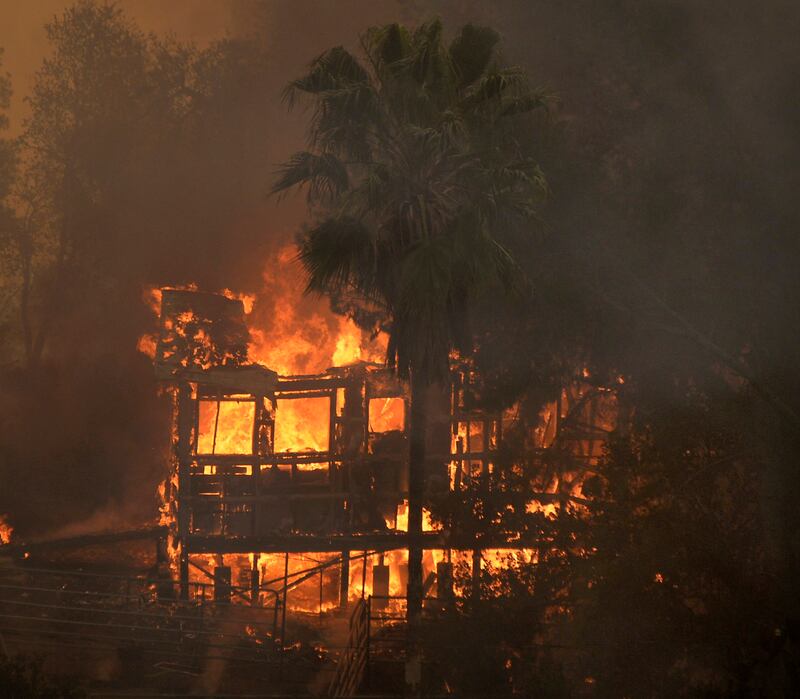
(203, 337)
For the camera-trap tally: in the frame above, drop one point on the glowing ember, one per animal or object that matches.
(151, 295)
(5, 530)
(550, 509)
(147, 345)
(386, 414)
(401, 520)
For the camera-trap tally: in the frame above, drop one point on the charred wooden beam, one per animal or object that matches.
(333, 543)
(154, 533)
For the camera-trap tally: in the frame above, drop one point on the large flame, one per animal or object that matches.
(291, 333)
(295, 333)
(225, 427)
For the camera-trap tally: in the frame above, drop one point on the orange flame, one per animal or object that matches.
(225, 427)
(5, 530)
(291, 333)
(294, 333)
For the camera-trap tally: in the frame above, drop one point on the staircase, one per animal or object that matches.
(350, 670)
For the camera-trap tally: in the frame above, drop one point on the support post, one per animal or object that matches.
(254, 579)
(283, 612)
(285, 595)
(364, 575)
(380, 586)
(416, 484)
(183, 455)
(416, 490)
(444, 582)
(368, 669)
(344, 580)
(320, 591)
(476, 576)
(184, 572)
(222, 584)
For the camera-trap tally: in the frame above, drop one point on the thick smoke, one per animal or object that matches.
(179, 197)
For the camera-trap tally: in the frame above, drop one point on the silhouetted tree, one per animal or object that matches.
(142, 161)
(8, 223)
(419, 174)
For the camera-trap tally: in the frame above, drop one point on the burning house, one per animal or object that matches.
(268, 466)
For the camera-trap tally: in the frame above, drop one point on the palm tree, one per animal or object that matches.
(418, 173)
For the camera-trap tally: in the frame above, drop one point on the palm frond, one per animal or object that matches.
(335, 69)
(325, 175)
(504, 268)
(494, 85)
(339, 255)
(427, 57)
(343, 119)
(425, 274)
(387, 46)
(453, 127)
(471, 51)
(374, 190)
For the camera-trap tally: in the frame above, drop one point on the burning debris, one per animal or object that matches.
(6, 530)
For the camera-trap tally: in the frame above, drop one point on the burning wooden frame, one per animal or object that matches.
(318, 464)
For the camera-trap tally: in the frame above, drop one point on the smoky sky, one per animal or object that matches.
(729, 66)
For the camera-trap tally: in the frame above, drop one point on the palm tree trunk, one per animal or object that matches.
(416, 486)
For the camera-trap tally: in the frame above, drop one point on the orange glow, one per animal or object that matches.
(386, 414)
(550, 509)
(501, 558)
(302, 424)
(248, 300)
(151, 296)
(5, 530)
(293, 333)
(401, 520)
(232, 433)
(314, 577)
(147, 345)
(309, 575)
(348, 344)
(397, 560)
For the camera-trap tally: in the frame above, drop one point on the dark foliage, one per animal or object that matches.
(22, 677)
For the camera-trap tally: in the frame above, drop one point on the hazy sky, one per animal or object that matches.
(23, 39)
